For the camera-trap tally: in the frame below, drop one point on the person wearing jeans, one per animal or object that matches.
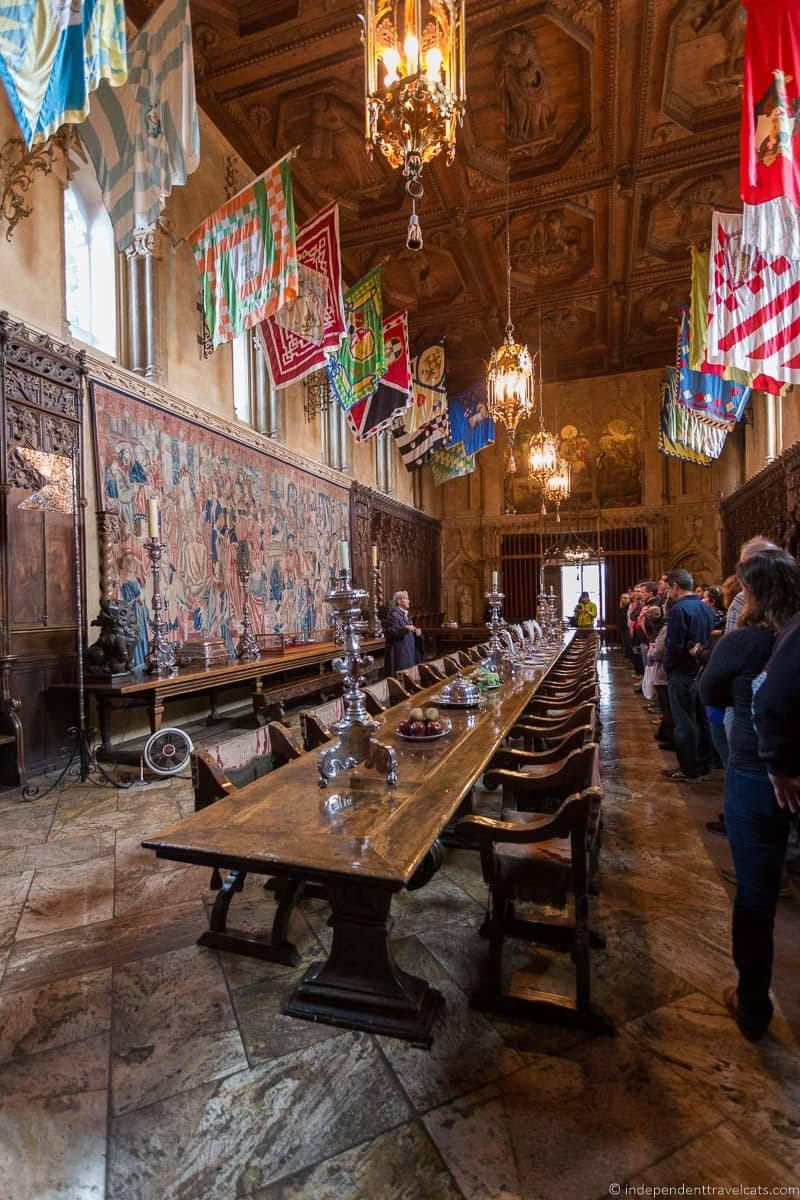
(757, 824)
(689, 623)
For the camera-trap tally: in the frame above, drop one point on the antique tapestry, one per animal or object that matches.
(214, 492)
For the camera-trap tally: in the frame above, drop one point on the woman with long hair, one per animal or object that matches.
(757, 827)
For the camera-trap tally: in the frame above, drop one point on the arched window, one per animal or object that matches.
(90, 261)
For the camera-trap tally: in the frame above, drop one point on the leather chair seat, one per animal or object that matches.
(539, 873)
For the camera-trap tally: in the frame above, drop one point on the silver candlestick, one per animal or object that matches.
(160, 657)
(355, 730)
(497, 650)
(247, 649)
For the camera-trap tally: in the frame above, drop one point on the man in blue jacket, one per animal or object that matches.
(690, 622)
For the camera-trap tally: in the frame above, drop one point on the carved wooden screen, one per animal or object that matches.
(41, 389)
(408, 546)
(767, 504)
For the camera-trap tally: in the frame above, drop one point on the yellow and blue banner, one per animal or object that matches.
(53, 55)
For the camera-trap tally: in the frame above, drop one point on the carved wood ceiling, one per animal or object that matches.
(620, 118)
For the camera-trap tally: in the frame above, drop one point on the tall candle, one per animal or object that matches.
(374, 555)
(152, 517)
(494, 581)
(344, 557)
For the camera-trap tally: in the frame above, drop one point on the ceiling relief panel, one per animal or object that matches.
(417, 280)
(677, 212)
(530, 96)
(704, 63)
(556, 244)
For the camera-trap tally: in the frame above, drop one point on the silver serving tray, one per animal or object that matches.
(447, 727)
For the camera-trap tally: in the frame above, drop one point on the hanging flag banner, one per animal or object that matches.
(451, 462)
(682, 433)
(417, 445)
(144, 138)
(294, 344)
(247, 254)
(53, 54)
(470, 423)
(377, 412)
(360, 362)
(698, 333)
(753, 307)
(710, 395)
(428, 388)
(770, 150)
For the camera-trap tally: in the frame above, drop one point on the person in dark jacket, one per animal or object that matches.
(757, 824)
(776, 705)
(401, 634)
(689, 622)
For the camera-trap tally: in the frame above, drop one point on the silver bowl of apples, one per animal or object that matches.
(423, 725)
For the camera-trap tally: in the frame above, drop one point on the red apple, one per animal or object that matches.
(405, 728)
(417, 729)
(434, 727)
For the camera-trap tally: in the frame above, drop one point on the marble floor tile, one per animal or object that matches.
(55, 1015)
(400, 1165)
(26, 823)
(266, 1032)
(466, 1052)
(52, 956)
(755, 1085)
(104, 815)
(463, 867)
(62, 853)
(14, 888)
(174, 1027)
(61, 1071)
(54, 1148)
(65, 897)
(568, 1125)
(9, 919)
(721, 1157)
(244, 1132)
(699, 950)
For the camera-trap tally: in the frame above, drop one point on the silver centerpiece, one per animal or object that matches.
(460, 691)
(497, 651)
(355, 730)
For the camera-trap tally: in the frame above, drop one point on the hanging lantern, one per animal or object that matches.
(556, 488)
(415, 86)
(509, 387)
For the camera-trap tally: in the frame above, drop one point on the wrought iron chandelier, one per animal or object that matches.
(509, 375)
(415, 86)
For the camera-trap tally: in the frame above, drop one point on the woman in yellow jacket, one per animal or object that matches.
(585, 612)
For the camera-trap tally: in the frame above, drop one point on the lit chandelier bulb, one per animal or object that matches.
(433, 64)
(391, 61)
(411, 50)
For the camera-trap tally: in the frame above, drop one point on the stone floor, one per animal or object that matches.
(134, 1064)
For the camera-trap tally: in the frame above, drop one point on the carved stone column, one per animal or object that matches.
(106, 523)
(146, 291)
(261, 388)
(345, 437)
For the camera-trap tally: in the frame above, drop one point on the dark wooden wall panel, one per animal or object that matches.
(767, 504)
(41, 392)
(409, 547)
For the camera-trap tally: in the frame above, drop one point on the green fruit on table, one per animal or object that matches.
(416, 714)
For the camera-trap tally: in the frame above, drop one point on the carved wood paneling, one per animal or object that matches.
(41, 400)
(408, 547)
(767, 504)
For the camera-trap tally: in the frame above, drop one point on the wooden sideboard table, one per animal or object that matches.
(138, 689)
(363, 841)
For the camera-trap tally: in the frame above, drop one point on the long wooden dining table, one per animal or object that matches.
(363, 840)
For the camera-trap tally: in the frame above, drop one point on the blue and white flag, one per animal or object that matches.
(470, 423)
(53, 54)
(144, 138)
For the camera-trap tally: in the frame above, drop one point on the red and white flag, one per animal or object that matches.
(753, 308)
(770, 147)
(298, 340)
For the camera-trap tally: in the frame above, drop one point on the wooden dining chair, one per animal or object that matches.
(542, 860)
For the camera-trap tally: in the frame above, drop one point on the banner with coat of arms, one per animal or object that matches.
(770, 149)
(390, 399)
(299, 338)
(247, 255)
(360, 362)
